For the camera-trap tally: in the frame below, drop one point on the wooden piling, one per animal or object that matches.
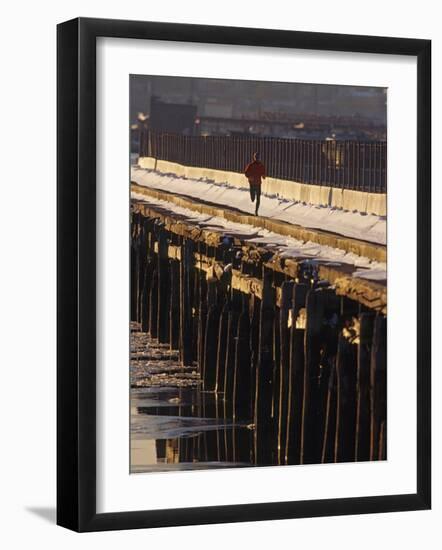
(211, 338)
(242, 368)
(145, 311)
(328, 444)
(345, 400)
(255, 315)
(202, 318)
(276, 372)
(138, 260)
(362, 443)
(220, 433)
(174, 305)
(264, 375)
(311, 443)
(134, 252)
(229, 365)
(378, 387)
(221, 348)
(382, 451)
(163, 288)
(296, 378)
(308, 402)
(142, 265)
(186, 322)
(153, 302)
(284, 366)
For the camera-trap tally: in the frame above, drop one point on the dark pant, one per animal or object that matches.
(255, 191)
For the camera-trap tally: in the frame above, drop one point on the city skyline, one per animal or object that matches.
(281, 109)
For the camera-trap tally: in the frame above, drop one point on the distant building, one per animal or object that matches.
(176, 118)
(260, 108)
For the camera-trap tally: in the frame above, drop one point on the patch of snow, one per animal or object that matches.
(374, 274)
(286, 247)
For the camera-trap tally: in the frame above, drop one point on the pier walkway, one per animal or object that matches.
(286, 322)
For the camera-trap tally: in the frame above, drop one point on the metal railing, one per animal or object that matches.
(356, 165)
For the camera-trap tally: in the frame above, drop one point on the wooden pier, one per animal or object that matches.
(296, 347)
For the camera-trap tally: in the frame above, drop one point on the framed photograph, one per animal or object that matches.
(243, 274)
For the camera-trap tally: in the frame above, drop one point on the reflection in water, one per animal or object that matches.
(175, 425)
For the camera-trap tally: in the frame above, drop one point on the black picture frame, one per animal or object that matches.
(76, 274)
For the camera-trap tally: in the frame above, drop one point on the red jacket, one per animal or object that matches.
(254, 172)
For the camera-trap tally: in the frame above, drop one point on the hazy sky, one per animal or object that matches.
(241, 98)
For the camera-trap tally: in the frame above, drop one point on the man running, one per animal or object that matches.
(255, 172)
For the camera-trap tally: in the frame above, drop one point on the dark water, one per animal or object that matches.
(175, 425)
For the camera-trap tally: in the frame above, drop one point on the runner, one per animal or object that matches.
(255, 172)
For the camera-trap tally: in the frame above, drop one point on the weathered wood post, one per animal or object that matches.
(310, 435)
(153, 299)
(174, 313)
(138, 263)
(329, 350)
(345, 400)
(378, 385)
(145, 300)
(255, 314)
(242, 370)
(276, 368)
(163, 287)
(202, 318)
(296, 375)
(221, 348)
(220, 434)
(264, 375)
(134, 263)
(186, 340)
(382, 451)
(194, 286)
(142, 264)
(211, 338)
(284, 366)
(362, 443)
(229, 365)
(328, 444)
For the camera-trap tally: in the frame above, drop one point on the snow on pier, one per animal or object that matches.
(284, 246)
(367, 227)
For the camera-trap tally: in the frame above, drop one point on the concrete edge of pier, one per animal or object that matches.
(371, 294)
(360, 248)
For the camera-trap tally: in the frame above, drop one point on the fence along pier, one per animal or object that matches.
(352, 165)
(294, 347)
